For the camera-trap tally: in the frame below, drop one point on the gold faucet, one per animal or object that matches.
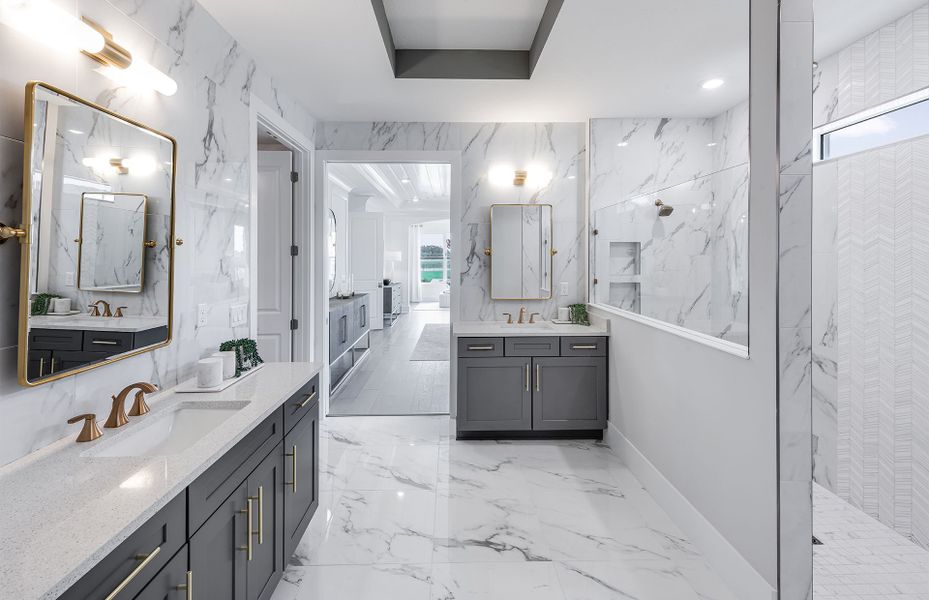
(95, 309)
(119, 311)
(509, 318)
(522, 315)
(118, 416)
(532, 318)
(90, 431)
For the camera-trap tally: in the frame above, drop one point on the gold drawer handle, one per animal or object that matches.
(480, 348)
(527, 377)
(189, 586)
(293, 473)
(260, 498)
(248, 515)
(583, 346)
(538, 378)
(309, 398)
(145, 558)
(105, 342)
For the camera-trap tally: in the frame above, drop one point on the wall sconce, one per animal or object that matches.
(43, 21)
(536, 176)
(139, 166)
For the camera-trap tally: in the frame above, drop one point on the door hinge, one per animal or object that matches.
(596, 232)
(294, 250)
(294, 324)
(294, 176)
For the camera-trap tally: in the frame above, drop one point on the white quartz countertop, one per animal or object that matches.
(62, 511)
(88, 323)
(543, 328)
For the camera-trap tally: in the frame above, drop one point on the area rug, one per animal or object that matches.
(433, 343)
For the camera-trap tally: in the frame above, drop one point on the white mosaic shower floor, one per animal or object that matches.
(861, 558)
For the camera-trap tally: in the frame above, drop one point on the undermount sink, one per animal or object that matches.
(537, 325)
(171, 431)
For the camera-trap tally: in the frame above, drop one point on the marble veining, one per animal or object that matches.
(409, 512)
(109, 498)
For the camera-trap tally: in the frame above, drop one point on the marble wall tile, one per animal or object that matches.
(209, 118)
(557, 147)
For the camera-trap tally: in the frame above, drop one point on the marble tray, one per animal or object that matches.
(190, 386)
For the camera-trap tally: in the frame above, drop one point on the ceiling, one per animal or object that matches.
(405, 187)
(603, 58)
(464, 25)
(838, 23)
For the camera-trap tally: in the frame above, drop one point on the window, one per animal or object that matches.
(435, 258)
(890, 123)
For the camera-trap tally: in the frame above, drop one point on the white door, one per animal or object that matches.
(366, 260)
(275, 263)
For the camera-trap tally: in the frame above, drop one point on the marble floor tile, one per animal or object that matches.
(654, 580)
(495, 581)
(396, 468)
(354, 582)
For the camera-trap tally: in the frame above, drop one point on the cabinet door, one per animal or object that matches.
(301, 478)
(218, 554)
(171, 583)
(494, 394)
(569, 393)
(266, 488)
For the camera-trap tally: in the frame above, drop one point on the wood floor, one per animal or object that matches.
(387, 382)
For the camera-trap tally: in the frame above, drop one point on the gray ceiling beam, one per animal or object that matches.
(466, 64)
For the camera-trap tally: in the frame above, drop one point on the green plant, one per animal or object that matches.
(579, 314)
(40, 303)
(246, 354)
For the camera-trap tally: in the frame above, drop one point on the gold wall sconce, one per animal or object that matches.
(519, 177)
(535, 176)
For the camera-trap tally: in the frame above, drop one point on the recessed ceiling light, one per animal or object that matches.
(415, 199)
(572, 176)
(623, 144)
(76, 131)
(711, 144)
(712, 84)
(404, 180)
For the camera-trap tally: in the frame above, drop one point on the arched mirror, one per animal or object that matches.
(331, 249)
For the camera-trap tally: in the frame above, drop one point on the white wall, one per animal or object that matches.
(209, 116)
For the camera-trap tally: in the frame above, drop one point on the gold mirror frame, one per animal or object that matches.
(551, 254)
(26, 240)
(144, 245)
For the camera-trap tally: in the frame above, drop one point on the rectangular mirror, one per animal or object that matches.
(521, 250)
(98, 256)
(112, 243)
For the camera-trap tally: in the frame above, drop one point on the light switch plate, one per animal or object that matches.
(563, 288)
(238, 315)
(203, 314)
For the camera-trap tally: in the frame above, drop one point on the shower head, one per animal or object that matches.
(664, 210)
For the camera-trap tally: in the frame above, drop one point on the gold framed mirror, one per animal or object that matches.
(521, 251)
(97, 270)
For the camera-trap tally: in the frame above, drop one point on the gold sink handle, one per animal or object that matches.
(90, 431)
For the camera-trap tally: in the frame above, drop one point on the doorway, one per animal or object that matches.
(393, 245)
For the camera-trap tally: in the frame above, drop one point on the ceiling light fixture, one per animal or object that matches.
(622, 144)
(405, 180)
(415, 199)
(712, 84)
(711, 144)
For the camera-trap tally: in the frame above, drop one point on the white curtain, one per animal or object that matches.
(413, 275)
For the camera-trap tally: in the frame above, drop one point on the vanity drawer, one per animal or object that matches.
(55, 339)
(480, 347)
(211, 489)
(532, 346)
(583, 346)
(113, 342)
(164, 534)
(301, 403)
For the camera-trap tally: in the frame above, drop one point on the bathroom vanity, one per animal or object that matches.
(204, 497)
(349, 339)
(531, 380)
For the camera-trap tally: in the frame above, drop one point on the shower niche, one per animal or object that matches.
(625, 273)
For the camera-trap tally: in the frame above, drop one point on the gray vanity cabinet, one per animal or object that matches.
(496, 393)
(170, 583)
(570, 393)
(532, 386)
(218, 553)
(301, 477)
(266, 489)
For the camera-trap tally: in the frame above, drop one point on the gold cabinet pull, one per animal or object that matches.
(293, 473)
(145, 558)
(480, 348)
(538, 377)
(583, 346)
(527, 377)
(260, 499)
(309, 398)
(248, 516)
(52, 370)
(41, 367)
(189, 586)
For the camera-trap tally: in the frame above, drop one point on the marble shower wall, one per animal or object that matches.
(209, 116)
(560, 147)
(690, 268)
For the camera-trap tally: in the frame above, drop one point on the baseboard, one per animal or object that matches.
(743, 580)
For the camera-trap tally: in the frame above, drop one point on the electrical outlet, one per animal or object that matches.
(238, 315)
(69, 279)
(563, 288)
(203, 314)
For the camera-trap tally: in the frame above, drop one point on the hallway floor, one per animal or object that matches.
(409, 513)
(387, 382)
(861, 558)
